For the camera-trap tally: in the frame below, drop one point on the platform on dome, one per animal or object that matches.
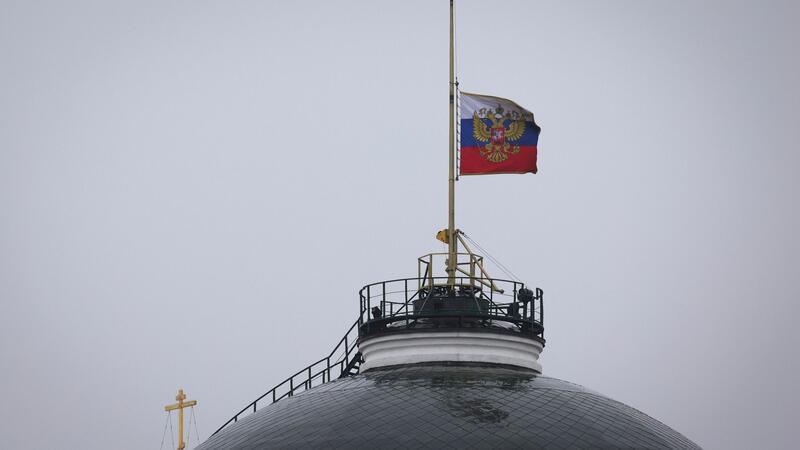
(445, 304)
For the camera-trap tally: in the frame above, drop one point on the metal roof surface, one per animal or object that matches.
(448, 406)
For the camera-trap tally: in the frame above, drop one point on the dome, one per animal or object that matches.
(440, 363)
(448, 405)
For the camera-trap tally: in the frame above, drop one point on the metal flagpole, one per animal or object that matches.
(451, 222)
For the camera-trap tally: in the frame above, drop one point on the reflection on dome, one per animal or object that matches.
(448, 405)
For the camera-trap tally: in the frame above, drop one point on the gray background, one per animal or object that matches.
(193, 192)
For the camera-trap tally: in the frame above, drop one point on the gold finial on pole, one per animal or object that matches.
(180, 406)
(452, 250)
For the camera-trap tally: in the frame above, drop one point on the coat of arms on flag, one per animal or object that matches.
(497, 136)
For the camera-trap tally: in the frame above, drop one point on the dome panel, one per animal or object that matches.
(448, 406)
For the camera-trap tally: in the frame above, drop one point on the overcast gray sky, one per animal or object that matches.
(191, 194)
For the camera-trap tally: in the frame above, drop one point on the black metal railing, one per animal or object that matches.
(342, 361)
(402, 305)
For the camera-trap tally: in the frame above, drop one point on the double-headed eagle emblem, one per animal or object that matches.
(497, 135)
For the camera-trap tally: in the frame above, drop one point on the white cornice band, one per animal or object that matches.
(450, 346)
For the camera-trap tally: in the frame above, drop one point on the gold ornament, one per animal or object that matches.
(497, 135)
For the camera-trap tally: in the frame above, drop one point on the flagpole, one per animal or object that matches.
(451, 222)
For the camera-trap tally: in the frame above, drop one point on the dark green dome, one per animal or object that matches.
(447, 405)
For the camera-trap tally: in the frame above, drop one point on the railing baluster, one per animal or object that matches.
(540, 294)
(369, 308)
(405, 289)
(361, 307)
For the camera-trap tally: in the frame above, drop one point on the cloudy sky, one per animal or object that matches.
(191, 194)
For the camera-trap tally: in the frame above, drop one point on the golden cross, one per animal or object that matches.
(180, 406)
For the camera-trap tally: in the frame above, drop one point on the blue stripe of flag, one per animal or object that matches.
(529, 137)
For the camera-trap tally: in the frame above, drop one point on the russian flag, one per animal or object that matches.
(497, 136)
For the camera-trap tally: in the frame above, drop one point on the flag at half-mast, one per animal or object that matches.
(497, 136)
